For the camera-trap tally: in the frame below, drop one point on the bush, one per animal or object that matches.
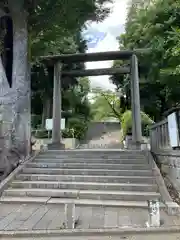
(77, 127)
(35, 121)
(126, 123)
(68, 133)
(41, 133)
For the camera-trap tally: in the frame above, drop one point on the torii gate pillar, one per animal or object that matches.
(57, 108)
(135, 102)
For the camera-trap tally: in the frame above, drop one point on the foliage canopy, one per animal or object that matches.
(154, 25)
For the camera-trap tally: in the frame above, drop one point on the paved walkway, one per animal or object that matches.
(137, 237)
(108, 140)
(43, 217)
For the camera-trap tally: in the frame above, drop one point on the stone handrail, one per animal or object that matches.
(155, 125)
(159, 136)
(167, 157)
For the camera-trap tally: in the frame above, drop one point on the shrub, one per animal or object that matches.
(78, 130)
(41, 133)
(126, 123)
(35, 121)
(77, 127)
(68, 133)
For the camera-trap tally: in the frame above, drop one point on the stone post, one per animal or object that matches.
(70, 215)
(135, 101)
(154, 214)
(56, 130)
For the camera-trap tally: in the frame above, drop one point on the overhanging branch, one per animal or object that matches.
(113, 109)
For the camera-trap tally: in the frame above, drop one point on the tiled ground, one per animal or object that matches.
(137, 237)
(42, 217)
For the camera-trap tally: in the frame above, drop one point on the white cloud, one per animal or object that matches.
(113, 26)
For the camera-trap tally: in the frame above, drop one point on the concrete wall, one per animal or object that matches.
(128, 143)
(167, 159)
(169, 164)
(70, 143)
(97, 129)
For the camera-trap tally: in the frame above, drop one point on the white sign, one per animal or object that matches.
(173, 130)
(49, 124)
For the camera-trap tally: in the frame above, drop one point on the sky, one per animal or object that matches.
(112, 26)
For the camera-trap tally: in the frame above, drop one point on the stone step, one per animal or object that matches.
(89, 166)
(83, 194)
(104, 172)
(87, 178)
(37, 200)
(85, 186)
(94, 151)
(91, 160)
(95, 156)
(77, 202)
(92, 154)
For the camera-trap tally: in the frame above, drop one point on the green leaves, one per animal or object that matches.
(105, 105)
(155, 26)
(51, 21)
(55, 28)
(126, 122)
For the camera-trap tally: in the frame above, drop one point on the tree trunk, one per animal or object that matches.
(7, 96)
(15, 100)
(46, 111)
(50, 113)
(21, 77)
(49, 109)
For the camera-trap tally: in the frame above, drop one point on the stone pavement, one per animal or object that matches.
(174, 236)
(47, 216)
(108, 140)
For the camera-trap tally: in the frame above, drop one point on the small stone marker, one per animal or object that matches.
(154, 213)
(70, 215)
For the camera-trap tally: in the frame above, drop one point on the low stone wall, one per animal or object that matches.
(70, 143)
(98, 129)
(169, 164)
(167, 158)
(128, 143)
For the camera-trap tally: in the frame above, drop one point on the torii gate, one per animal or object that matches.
(58, 60)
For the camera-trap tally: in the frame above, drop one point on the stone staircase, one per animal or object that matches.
(109, 177)
(101, 193)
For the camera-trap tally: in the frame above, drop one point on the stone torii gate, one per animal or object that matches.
(58, 60)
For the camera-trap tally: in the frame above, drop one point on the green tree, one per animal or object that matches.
(76, 99)
(105, 104)
(42, 80)
(155, 26)
(40, 26)
(126, 124)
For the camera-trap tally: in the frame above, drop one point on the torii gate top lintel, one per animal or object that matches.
(92, 57)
